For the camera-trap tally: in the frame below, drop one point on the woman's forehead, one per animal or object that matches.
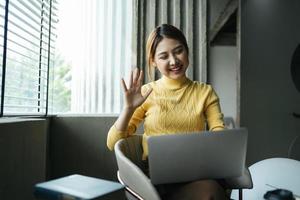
(167, 44)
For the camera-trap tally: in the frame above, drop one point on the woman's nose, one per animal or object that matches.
(173, 60)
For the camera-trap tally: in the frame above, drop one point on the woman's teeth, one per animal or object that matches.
(176, 69)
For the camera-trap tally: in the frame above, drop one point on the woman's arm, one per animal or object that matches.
(133, 99)
(213, 113)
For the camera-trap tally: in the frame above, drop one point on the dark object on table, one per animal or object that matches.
(279, 194)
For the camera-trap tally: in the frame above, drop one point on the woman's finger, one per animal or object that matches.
(124, 85)
(141, 77)
(136, 75)
(131, 79)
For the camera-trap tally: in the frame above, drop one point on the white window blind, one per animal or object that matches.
(94, 40)
(29, 53)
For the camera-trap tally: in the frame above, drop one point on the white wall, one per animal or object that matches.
(223, 77)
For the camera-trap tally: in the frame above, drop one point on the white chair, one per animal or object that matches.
(229, 122)
(138, 186)
(271, 174)
(129, 159)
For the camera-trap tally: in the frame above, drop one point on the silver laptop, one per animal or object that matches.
(195, 156)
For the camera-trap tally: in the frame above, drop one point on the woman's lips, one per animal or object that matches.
(176, 69)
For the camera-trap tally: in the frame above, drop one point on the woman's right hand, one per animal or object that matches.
(132, 94)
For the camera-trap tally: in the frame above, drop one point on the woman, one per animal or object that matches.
(169, 105)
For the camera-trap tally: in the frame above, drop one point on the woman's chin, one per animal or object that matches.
(177, 76)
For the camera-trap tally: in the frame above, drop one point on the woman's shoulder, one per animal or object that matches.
(204, 90)
(148, 86)
(201, 86)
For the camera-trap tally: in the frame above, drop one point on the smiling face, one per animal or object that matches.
(171, 58)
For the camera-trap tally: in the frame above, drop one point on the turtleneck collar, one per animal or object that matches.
(174, 84)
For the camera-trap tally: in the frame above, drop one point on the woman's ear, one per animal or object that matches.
(153, 64)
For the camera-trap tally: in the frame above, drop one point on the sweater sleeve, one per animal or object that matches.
(138, 116)
(115, 135)
(213, 113)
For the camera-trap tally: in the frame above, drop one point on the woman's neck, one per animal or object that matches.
(174, 83)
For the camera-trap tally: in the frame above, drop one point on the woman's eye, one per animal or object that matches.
(178, 51)
(163, 57)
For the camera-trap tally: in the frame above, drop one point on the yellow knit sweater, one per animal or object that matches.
(174, 106)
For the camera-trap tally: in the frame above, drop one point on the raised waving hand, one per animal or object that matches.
(132, 94)
(133, 98)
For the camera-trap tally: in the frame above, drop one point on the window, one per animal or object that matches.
(27, 45)
(93, 52)
(63, 57)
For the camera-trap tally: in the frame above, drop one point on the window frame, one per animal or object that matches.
(48, 26)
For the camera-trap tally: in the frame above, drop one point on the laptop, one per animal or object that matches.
(199, 155)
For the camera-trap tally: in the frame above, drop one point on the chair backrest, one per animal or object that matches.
(229, 122)
(129, 159)
(244, 181)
